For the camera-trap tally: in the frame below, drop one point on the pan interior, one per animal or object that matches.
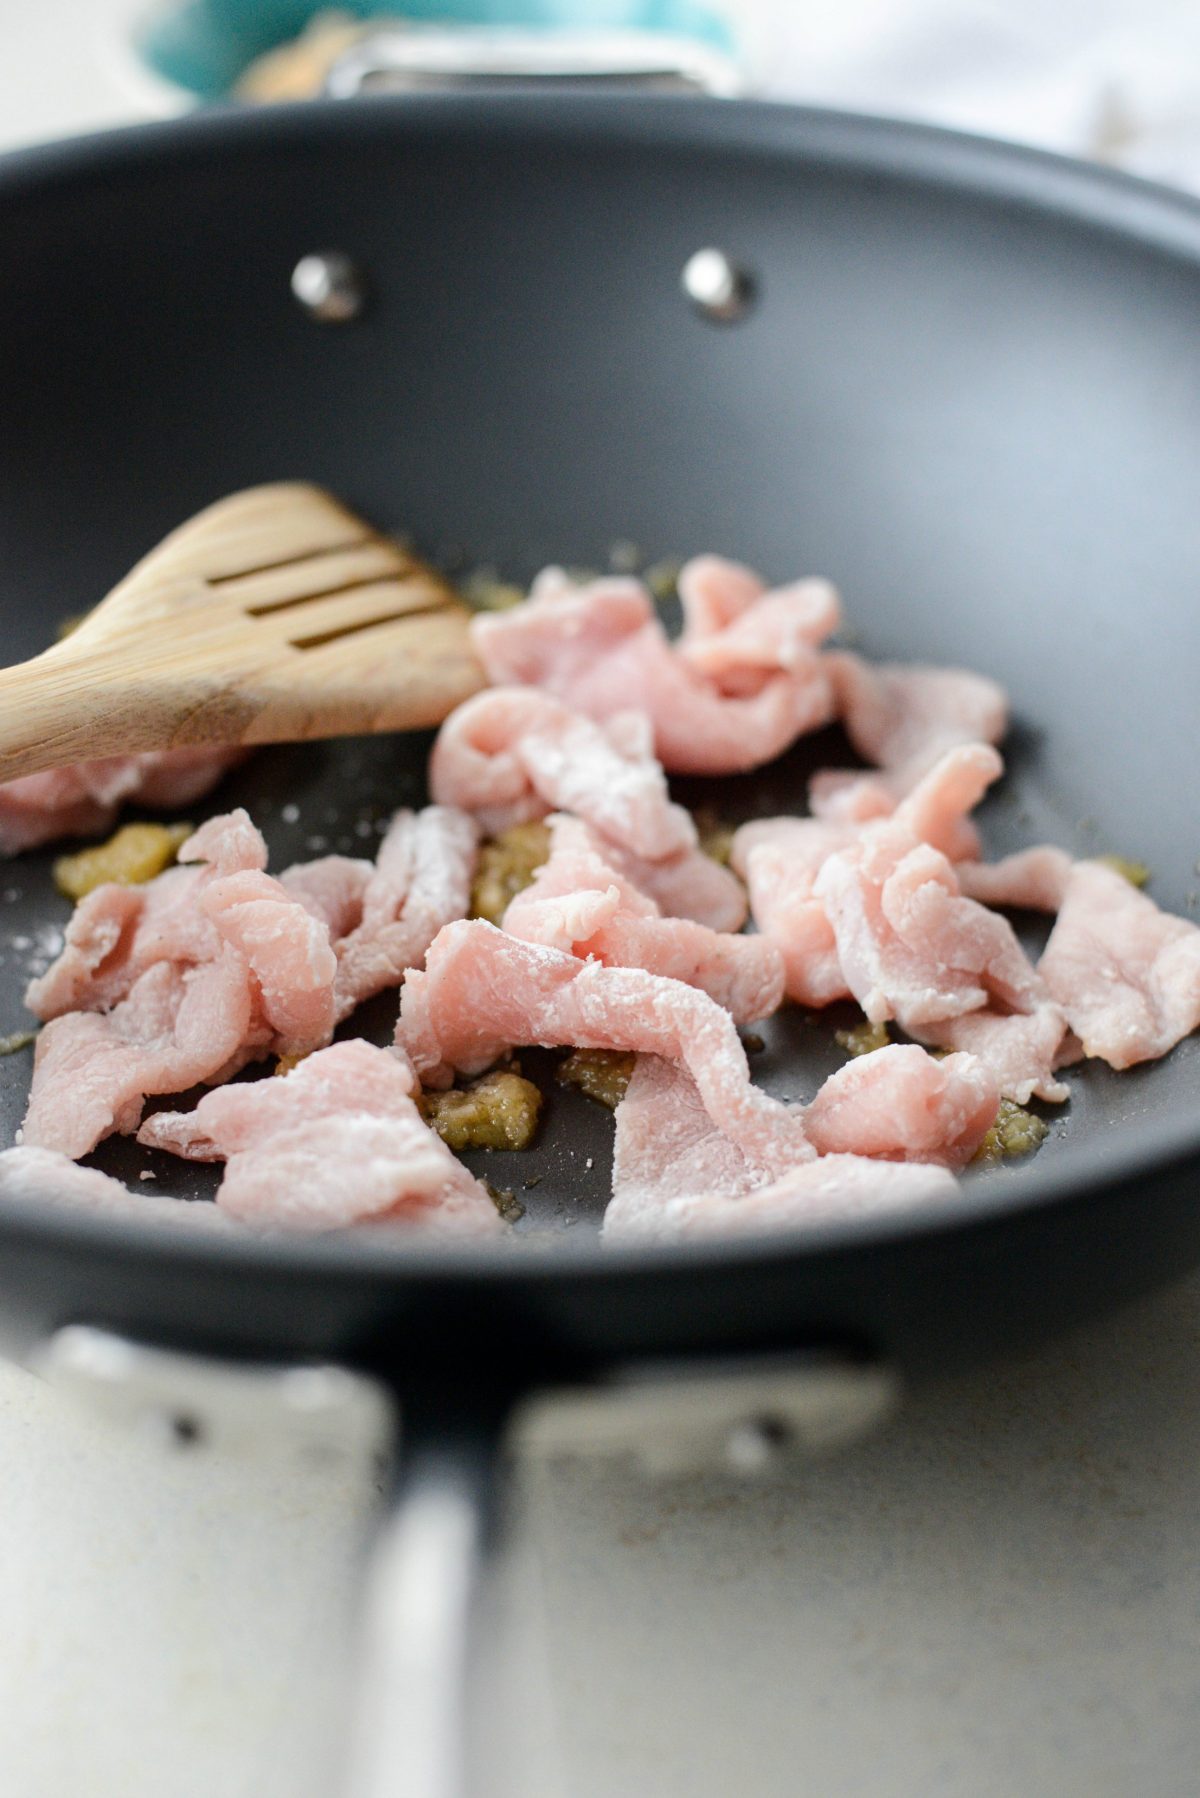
(336, 797)
(978, 415)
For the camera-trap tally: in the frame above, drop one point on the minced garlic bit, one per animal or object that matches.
(1136, 873)
(500, 1111)
(863, 1039)
(285, 1063)
(506, 1202)
(1016, 1131)
(716, 839)
(663, 577)
(20, 1039)
(507, 865)
(134, 855)
(603, 1074)
(484, 591)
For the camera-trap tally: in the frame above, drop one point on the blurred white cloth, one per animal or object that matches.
(1115, 79)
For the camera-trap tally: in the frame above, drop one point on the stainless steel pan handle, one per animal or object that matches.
(412, 1734)
(412, 1729)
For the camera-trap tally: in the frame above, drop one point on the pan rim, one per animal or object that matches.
(541, 1258)
(994, 171)
(1086, 193)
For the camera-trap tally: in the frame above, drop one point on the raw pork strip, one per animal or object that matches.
(1021, 1050)
(736, 633)
(116, 933)
(483, 992)
(331, 889)
(1031, 880)
(1126, 974)
(287, 953)
(93, 1070)
(602, 649)
(873, 909)
(937, 807)
(688, 885)
(904, 719)
(779, 859)
(903, 716)
(42, 1177)
(910, 945)
(677, 1176)
(336, 1142)
(383, 918)
(580, 903)
(219, 897)
(182, 980)
(900, 1104)
(512, 754)
(84, 799)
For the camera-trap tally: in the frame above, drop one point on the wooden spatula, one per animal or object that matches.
(274, 616)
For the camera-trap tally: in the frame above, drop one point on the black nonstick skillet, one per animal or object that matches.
(960, 378)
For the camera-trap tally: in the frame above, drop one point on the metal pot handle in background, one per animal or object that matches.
(423, 58)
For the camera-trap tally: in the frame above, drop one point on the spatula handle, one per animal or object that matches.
(66, 707)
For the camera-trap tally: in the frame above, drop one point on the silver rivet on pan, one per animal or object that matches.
(329, 286)
(186, 1430)
(755, 1443)
(717, 287)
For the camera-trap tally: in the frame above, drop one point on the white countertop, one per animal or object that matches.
(996, 1597)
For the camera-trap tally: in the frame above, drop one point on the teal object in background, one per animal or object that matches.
(204, 45)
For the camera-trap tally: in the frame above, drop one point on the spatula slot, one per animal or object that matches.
(366, 624)
(308, 555)
(196, 616)
(269, 610)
